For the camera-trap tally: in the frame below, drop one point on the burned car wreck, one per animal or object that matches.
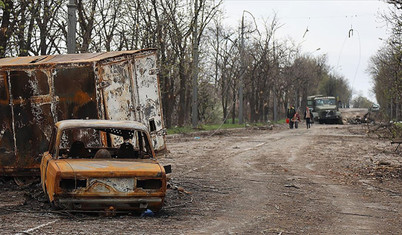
(103, 165)
(38, 91)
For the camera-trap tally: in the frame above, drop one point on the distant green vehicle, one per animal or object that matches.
(374, 108)
(324, 109)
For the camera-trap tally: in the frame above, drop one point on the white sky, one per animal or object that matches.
(328, 22)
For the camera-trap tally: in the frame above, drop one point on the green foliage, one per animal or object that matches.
(361, 102)
(397, 130)
(2, 6)
(335, 85)
(209, 109)
(211, 127)
(179, 130)
(386, 66)
(282, 121)
(224, 126)
(188, 129)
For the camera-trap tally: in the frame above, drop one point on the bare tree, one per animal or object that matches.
(225, 61)
(86, 19)
(45, 16)
(108, 18)
(6, 26)
(204, 12)
(386, 65)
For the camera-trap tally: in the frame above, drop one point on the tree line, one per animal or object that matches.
(386, 65)
(204, 64)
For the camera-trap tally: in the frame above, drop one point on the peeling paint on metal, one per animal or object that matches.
(42, 90)
(123, 185)
(149, 96)
(96, 183)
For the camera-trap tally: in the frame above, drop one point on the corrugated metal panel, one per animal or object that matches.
(64, 59)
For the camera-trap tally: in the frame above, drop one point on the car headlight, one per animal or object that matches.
(72, 184)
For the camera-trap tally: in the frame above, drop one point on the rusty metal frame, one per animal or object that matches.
(108, 183)
(38, 91)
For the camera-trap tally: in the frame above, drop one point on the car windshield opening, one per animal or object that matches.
(320, 102)
(104, 143)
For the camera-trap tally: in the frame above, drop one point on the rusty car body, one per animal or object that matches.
(101, 173)
(38, 91)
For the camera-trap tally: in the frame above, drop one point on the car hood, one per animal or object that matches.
(107, 168)
(325, 107)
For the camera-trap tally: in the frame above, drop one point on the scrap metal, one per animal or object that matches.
(38, 91)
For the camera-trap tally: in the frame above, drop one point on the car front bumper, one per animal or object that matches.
(115, 204)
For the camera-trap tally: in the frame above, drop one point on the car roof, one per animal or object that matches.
(96, 123)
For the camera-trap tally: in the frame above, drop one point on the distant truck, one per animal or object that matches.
(36, 92)
(325, 109)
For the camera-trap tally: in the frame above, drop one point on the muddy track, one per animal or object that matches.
(329, 179)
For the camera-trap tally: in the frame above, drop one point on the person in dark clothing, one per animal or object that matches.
(308, 116)
(290, 114)
(296, 119)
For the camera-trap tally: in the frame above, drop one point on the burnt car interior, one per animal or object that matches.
(108, 143)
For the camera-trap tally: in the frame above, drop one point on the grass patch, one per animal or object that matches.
(211, 127)
(282, 121)
(180, 130)
(397, 130)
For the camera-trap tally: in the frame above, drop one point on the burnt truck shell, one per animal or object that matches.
(38, 91)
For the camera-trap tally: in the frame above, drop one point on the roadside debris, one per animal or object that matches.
(291, 186)
(398, 142)
(147, 213)
(360, 119)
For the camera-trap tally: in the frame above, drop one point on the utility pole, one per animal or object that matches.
(242, 71)
(72, 22)
(194, 113)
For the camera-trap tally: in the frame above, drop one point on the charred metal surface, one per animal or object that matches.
(148, 100)
(38, 91)
(90, 183)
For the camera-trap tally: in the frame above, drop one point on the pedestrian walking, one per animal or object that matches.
(290, 113)
(308, 116)
(296, 119)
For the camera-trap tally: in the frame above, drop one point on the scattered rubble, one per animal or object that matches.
(336, 180)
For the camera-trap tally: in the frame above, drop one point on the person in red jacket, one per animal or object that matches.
(296, 119)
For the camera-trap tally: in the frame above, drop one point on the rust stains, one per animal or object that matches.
(38, 91)
(134, 181)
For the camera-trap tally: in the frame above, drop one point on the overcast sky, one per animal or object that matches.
(328, 23)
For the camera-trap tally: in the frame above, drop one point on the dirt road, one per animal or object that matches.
(329, 179)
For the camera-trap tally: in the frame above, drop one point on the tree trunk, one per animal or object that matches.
(234, 108)
(86, 23)
(5, 31)
(182, 94)
(194, 70)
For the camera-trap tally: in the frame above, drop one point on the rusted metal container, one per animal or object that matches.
(36, 92)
